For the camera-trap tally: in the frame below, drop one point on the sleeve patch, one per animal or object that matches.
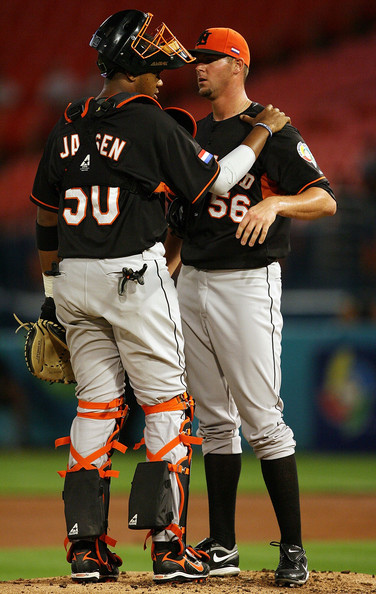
(205, 156)
(305, 153)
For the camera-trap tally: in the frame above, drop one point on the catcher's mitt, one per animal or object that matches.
(46, 352)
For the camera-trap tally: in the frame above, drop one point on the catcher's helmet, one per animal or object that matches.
(123, 43)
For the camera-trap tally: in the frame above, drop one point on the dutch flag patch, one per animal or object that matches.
(205, 156)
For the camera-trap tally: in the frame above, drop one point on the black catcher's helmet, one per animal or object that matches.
(124, 43)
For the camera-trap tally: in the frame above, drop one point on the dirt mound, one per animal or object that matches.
(40, 522)
(251, 582)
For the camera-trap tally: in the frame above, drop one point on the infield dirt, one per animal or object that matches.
(39, 522)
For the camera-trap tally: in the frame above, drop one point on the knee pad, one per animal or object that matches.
(86, 496)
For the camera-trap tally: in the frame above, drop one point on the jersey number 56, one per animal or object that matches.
(233, 206)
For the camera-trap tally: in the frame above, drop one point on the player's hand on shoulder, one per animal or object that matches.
(271, 116)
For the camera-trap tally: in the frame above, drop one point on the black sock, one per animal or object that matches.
(222, 476)
(281, 480)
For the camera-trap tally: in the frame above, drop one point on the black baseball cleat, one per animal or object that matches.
(92, 561)
(293, 567)
(172, 565)
(222, 561)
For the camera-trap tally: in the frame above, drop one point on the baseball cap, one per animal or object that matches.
(223, 42)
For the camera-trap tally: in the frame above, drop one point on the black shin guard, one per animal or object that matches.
(86, 500)
(151, 503)
(150, 499)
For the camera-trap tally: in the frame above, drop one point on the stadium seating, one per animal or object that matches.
(329, 92)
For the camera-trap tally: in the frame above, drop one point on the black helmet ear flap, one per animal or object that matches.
(105, 67)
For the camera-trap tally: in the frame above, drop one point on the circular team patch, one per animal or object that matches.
(305, 153)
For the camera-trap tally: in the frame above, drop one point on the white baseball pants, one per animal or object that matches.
(232, 327)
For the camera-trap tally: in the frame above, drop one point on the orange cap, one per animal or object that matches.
(223, 42)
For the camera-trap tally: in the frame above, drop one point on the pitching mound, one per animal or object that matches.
(252, 582)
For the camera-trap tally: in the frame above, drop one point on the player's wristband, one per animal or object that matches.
(266, 127)
(48, 283)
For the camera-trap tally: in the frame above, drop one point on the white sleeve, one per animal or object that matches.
(233, 166)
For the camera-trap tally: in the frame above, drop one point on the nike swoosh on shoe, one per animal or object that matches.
(218, 559)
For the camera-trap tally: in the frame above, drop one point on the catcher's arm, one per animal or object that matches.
(48, 253)
(46, 352)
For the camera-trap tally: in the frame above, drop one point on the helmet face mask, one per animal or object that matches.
(124, 42)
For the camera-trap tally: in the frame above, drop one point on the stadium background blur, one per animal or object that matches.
(315, 61)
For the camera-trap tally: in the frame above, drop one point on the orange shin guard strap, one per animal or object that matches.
(163, 451)
(112, 442)
(87, 462)
(108, 540)
(179, 532)
(176, 403)
(102, 407)
(139, 444)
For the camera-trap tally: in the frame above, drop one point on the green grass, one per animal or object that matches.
(27, 472)
(356, 557)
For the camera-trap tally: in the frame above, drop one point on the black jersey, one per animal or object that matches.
(285, 166)
(103, 168)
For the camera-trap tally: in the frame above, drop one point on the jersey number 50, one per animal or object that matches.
(105, 217)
